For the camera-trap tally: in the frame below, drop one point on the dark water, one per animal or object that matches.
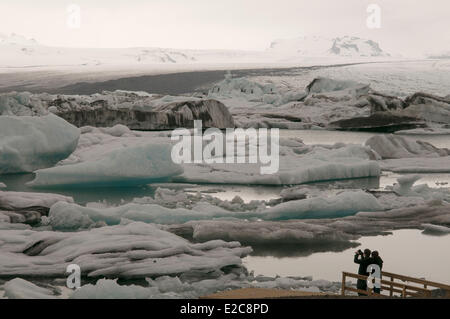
(114, 196)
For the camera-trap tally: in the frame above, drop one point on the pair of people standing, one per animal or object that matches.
(364, 259)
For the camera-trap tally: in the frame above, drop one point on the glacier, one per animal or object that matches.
(30, 142)
(136, 110)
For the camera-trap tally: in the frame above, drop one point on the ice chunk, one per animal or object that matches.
(263, 232)
(132, 166)
(438, 230)
(344, 204)
(21, 200)
(315, 232)
(135, 250)
(321, 85)
(417, 165)
(297, 166)
(110, 289)
(65, 216)
(392, 146)
(405, 183)
(29, 143)
(2, 185)
(429, 107)
(19, 288)
(174, 287)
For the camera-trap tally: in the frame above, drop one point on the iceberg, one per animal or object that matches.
(435, 230)
(392, 146)
(132, 166)
(22, 200)
(344, 204)
(417, 165)
(298, 165)
(309, 232)
(30, 143)
(67, 216)
(134, 250)
(19, 288)
(172, 287)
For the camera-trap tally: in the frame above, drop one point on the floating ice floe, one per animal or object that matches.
(344, 204)
(426, 131)
(406, 189)
(133, 166)
(436, 230)
(393, 147)
(22, 200)
(428, 107)
(29, 143)
(19, 288)
(417, 165)
(64, 216)
(19, 208)
(135, 250)
(165, 287)
(308, 165)
(406, 155)
(298, 163)
(310, 232)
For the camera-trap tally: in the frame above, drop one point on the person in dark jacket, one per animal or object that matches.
(364, 260)
(376, 259)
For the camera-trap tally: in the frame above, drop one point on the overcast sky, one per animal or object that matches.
(412, 26)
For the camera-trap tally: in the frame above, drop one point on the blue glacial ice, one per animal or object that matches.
(28, 143)
(132, 166)
(68, 216)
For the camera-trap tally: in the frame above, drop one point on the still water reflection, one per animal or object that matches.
(407, 252)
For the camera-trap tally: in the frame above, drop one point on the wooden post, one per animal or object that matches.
(391, 293)
(343, 284)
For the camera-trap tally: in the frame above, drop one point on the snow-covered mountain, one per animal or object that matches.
(17, 51)
(16, 39)
(320, 46)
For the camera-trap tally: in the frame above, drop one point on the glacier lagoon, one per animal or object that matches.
(334, 240)
(324, 261)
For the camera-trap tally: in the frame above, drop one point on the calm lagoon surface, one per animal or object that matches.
(406, 252)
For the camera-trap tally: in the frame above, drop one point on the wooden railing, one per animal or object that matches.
(396, 286)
